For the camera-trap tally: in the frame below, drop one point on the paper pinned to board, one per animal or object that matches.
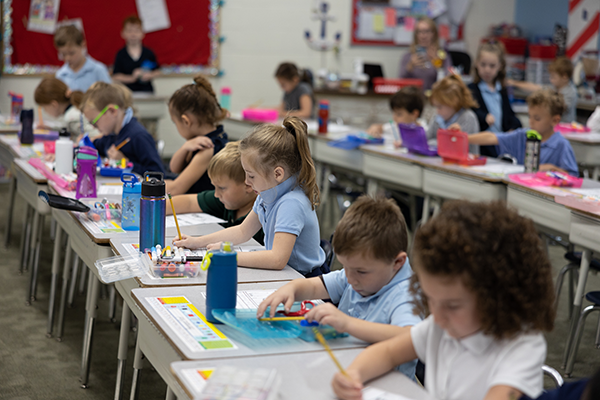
(154, 15)
(43, 15)
(378, 23)
(390, 16)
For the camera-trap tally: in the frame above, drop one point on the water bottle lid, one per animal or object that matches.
(225, 90)
(533, 135)
(153, 184)
(324, 104)
(64, 132)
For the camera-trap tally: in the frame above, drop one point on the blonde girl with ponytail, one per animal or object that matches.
(280, 169)
(196, 114)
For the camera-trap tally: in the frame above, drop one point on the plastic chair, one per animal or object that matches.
(571, 268)
(554, 375)
(594, 298)
(461, 60)
(327, 247)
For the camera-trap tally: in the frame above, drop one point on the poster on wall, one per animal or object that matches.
(43, 15)
(154, 15)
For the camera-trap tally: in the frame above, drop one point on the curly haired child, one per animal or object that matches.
(484, 278)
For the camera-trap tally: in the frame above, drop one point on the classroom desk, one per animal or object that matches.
(29, 182)
(162, 346)
(584, 232)
(124, 287)
(301, 377)
(538, 204)
(586, 147)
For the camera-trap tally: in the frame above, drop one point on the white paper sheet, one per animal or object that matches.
(110, 189)
(193, 219)
(154, 15)
(370, 393)
(43, 15)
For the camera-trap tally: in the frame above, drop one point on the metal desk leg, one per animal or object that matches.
(63, 291)
(372, 187)
(54, 282)
(25, 235)
(90, 313)
(137, 369)
(425, 215)
(326, 184)
(73, 281)
(112, 302)
(82, 279)
(36, 260)
(34, 229)
(35, 236)
(122, 353)
(11, 207)
(596, 173)
(170, 395)
(584, 268)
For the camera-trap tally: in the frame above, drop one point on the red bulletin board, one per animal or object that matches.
(187, 41)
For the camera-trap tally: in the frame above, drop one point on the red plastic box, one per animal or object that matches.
(391, 86)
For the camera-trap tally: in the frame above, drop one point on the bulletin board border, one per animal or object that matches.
(211, 69)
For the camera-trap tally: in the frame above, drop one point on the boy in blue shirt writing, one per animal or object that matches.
(545, 110)
(80, 70)
(371, 292)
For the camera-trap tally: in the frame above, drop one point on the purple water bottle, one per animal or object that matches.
(26, 126)
(87, 158)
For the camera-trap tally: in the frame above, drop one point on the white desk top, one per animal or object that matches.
(246, 346)
(31, 171)
(302, 376)
(592, 138)
(13, 144)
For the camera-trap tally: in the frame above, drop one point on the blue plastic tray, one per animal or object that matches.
(109, 171)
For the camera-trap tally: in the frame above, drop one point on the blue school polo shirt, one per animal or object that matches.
(392, 304)
(91, 72)
(285, 208)
(493, 102)
(556, 150)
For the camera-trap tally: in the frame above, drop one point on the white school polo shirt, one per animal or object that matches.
(468, 368)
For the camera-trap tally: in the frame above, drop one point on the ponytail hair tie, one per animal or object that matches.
(290, 129)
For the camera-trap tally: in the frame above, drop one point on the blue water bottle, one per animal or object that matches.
(130, 203)
(221, 280)
(152, 211)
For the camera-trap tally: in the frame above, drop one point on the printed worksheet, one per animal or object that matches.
(193, 219)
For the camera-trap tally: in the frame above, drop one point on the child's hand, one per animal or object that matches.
(284, 295)
(375, 130)
(198, 143)
(328, 314)
(552, 167)
(146, 76)
(137, 73)
(397, 143)
(510, 82)
(214, 246)
(114, 154)
(347, 388)
(418, 60)
(489, 119)
(188, 242)
(454, 127)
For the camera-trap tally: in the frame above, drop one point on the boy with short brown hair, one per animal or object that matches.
(545, 110)
(80, 70)
(371, 292)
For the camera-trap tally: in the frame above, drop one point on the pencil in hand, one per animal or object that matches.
(175, 216)
(323, 342)
(123, 143)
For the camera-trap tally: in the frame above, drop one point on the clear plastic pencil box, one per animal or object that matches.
(131, 265)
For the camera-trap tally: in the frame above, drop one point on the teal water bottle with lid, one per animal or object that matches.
(221, 280)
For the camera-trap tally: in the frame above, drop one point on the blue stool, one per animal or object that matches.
(594, 298)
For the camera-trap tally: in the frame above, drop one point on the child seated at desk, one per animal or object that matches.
(561, 71)
(59, 102)
(280, 169)
(135, 65)
(298, 99)
(372, 292)
(196, 114)
(545, 110)
(481, 272)
(494, 112)
(80, 70)
(232, 199)
(106, 108)
(406, 105)
(453, 101)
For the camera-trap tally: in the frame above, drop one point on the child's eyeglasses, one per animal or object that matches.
(104, 110)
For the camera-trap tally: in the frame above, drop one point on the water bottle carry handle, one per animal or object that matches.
(148, 175)
(206, 261)
(129, 179)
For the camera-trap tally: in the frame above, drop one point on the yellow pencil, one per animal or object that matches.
(123, 143)
(321, 340)
(281, 319)
(174, 216)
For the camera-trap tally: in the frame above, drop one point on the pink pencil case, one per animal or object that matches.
(260, 114)
(547, 178)
(571, 127)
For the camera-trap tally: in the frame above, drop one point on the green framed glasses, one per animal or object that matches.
(104, 110)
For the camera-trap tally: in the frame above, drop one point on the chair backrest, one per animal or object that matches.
(461, 59)
(554, 375)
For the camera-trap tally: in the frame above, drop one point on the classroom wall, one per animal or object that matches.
(260, 34)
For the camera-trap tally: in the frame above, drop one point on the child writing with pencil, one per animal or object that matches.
(232, 199)
(372, 292)
(482, 274)
(494, 112)
(280, 169)
(196, 114)
(123, 136)
(298, 98)
(80, 70)
(545, 110)
(59, 102)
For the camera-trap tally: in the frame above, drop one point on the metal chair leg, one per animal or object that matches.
(88, 334)
(122, 352)
(598, 334)
(36, 261)
(560, 280)
(578, 333)
(11, 207)
(170, 395)
(25, 238)
(83, 279)
(36, 235)
(137, 369)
